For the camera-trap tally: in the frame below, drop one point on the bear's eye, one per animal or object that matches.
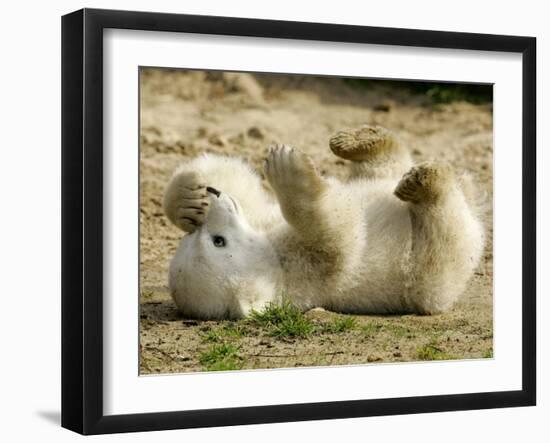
(219, 241)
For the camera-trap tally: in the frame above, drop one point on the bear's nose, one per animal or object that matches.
(213, 191)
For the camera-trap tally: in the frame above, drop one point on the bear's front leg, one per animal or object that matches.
(297, 185)
(327, 231)
(186, 201)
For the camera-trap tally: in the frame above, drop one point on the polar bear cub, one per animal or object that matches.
(394, 238)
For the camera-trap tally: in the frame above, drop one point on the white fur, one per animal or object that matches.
(350, 247)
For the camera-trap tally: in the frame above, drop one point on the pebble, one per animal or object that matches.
(256, 132)
(218, 140)
(385, 106)
(190, 322)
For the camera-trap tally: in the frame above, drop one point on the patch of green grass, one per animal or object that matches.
(229, 331)
(212, 336)
(448, 92)
(371, 328)
(438, 92)
(273, 313)
(221, 357)
(234, 330)
(396, 330)
(341, 324)
(283, 320)
(431, 351)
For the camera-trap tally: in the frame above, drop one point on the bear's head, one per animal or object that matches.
(225, 268)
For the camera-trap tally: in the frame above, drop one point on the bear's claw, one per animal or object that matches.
(291, 173)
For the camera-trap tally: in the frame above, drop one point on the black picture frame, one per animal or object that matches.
(82, 220)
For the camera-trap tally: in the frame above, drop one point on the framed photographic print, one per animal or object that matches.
(269, 221)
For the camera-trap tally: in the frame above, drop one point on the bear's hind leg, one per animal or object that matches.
(374, 151)
(447, 237)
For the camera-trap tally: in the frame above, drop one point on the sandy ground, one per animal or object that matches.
(186, 113)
